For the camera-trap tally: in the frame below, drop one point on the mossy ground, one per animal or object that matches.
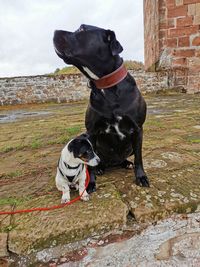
(30, 148)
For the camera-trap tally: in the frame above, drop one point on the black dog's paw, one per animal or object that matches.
(91, 188)
(143, 181)
(126, 164)
(100, 169)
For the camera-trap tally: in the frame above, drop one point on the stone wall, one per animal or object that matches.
(40, 89)
(65, 88)
(172, 40)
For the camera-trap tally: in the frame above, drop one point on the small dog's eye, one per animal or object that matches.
(83, 154)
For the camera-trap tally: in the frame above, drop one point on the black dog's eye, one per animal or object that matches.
(80, 29)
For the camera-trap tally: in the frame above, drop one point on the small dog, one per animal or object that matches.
(71, 170)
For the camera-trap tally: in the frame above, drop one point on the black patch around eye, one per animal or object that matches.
(84, 154)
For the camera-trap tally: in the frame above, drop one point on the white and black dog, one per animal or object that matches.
(71, 170)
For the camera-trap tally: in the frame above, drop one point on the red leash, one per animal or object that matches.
(52, 207)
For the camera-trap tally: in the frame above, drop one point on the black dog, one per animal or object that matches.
(115, 115)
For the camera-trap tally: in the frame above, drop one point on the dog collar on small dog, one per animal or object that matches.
(70, 167)
(111, 79)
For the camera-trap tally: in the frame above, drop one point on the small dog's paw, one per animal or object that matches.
(143, 181)
(76, 187)
(65, 200)
(85, 197)
(73, 187)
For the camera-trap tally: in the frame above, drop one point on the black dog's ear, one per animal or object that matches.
(115, 45)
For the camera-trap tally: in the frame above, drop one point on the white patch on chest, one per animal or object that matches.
(119, 118)
(90, 73)
(108, 129)
(116, 127)
(121, 135)
(103, 92)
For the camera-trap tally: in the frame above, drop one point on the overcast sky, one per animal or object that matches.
(27, 26)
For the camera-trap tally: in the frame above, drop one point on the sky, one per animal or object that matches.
(27, 26)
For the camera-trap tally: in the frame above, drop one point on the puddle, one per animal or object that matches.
(20, 114)
(153, 110)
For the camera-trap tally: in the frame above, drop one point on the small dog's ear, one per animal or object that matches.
(115, 45)
(74, 147)
(71, 146)
(84, 136)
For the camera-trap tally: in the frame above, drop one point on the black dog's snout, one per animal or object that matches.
(58, 36)
(98, 160)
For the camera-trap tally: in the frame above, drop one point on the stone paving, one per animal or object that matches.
(173, 242)
(29, 149)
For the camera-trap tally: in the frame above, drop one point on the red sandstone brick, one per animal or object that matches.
(194, 65)
(187, 21)
(163, 26)
(196, 41)
(177, 12)
(162, 14)
(162, 4)
(179, 2)
(197, 8)
(162, 34)
(197, 20)
(183, 41)
(197, 53)
(162, 44)
(184, 31)
(192, 9)
(179, 62)
(190, 1)
(170, 3)
(171, 23)
(172, 42)
(184, 53)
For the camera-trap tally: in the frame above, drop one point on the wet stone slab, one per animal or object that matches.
(174, 242)
(30, 148)
(5, 224)
(39, 230)
(170, 192)
(13, 116)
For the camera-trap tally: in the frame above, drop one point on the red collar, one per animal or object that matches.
(111, 79)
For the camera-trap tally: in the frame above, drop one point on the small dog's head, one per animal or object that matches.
(88, 48)
(82, 151)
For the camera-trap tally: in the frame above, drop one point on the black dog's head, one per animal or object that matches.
(83, 151)
(91, 49)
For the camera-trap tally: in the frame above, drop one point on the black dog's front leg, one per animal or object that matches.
(141, 178)
(92, 172)
(92, 184)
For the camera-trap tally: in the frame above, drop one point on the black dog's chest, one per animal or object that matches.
(119, 127)
(114, 129)
(114, 139)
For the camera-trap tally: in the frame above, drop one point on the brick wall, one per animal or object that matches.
(65, 88)
(172, 34)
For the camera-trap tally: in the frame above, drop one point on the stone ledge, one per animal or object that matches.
(35, 231)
